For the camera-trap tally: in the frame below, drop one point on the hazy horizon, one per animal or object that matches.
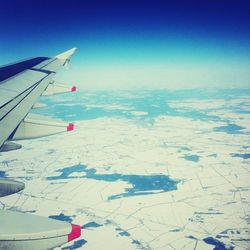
(129, 45)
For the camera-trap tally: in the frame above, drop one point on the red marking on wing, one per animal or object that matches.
(70, 127)
(75, 232)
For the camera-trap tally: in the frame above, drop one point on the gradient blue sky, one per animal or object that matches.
(134, 44)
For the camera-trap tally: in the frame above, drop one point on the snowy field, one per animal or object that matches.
(142, 170)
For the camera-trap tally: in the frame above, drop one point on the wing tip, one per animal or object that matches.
(65, 55)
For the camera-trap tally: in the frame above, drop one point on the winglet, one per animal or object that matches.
(66, 55)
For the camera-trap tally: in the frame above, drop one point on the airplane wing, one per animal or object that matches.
(21, 85)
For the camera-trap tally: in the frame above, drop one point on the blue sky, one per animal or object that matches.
(134, 44)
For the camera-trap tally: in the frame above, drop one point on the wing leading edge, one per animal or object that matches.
(21, 85)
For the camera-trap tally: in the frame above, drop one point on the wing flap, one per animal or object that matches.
(22, 82)
(14, 112)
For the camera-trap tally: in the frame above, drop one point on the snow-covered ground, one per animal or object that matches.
(168, 181)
